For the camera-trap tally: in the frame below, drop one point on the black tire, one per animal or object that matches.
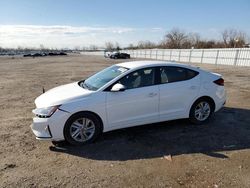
(193, 118)
(97, 130)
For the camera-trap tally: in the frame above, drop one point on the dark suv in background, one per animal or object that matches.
(118, 55)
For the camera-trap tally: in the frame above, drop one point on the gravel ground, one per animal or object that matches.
(170, 154)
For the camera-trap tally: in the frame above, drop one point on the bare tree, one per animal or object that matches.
(76, 48)
(117, 46)
(194, 39)
(84, 48)
(42, 47)
(131, 46)
(93, 47)
(146, 45)
(109, 46)
(233, 38)
(175, 39)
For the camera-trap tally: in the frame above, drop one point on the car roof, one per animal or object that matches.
(142, 64)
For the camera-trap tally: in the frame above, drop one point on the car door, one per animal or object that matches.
(179, 86)
(138, 104)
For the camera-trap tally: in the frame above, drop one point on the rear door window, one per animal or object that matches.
(175, 74)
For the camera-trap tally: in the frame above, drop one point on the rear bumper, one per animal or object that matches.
(220, 98)
(219, 105)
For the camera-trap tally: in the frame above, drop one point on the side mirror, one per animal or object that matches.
(118, 87)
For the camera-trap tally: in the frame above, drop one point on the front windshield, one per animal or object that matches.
(101, 78)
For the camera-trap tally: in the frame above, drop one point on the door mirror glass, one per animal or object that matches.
(118, 87)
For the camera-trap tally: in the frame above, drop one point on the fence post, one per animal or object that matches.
(190, 54)
(170, 55)
(179, 55)
(236, 57)
(202, 54)
(150, 54)
(156, 53)
(217, 55)
(163, 53)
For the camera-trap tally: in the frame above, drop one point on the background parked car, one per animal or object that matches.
(27, 55)
(41, 54)
(118, 55)
(37, 55)
(107, 54)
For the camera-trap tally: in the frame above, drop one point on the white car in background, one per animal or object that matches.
(107, 54)
(124, 95)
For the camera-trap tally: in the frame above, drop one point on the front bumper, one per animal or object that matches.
(50, 128)
(41, 129)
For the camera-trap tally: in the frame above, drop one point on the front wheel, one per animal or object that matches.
(201, 111)
(82, 128)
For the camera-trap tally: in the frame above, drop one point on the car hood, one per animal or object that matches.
(61, 94)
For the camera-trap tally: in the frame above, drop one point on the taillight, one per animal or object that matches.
(219, 82)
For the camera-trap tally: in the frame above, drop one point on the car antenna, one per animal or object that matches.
(43, 90)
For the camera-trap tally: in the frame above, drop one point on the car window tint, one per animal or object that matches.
(140, 78)
(164, 78)
(175, 74)
(191, 74)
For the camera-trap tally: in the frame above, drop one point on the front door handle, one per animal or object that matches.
(192, 87)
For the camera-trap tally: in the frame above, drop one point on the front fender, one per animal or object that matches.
(96, 104)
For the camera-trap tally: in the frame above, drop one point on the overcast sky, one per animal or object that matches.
(78, 23)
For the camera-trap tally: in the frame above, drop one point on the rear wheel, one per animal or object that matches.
(201, 111)
(82, 128)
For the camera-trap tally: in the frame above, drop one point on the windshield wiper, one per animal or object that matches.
(85, 86)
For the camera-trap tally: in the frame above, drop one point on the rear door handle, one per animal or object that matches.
(152, 94)
(192, 87)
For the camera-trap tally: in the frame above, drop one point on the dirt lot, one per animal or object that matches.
(212, 155)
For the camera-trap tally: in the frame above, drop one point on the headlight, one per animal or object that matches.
(45, 112)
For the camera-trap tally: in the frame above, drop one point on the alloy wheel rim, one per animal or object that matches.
(82, 129)
(202, 111)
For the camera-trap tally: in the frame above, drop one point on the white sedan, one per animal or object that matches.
(124, 95)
